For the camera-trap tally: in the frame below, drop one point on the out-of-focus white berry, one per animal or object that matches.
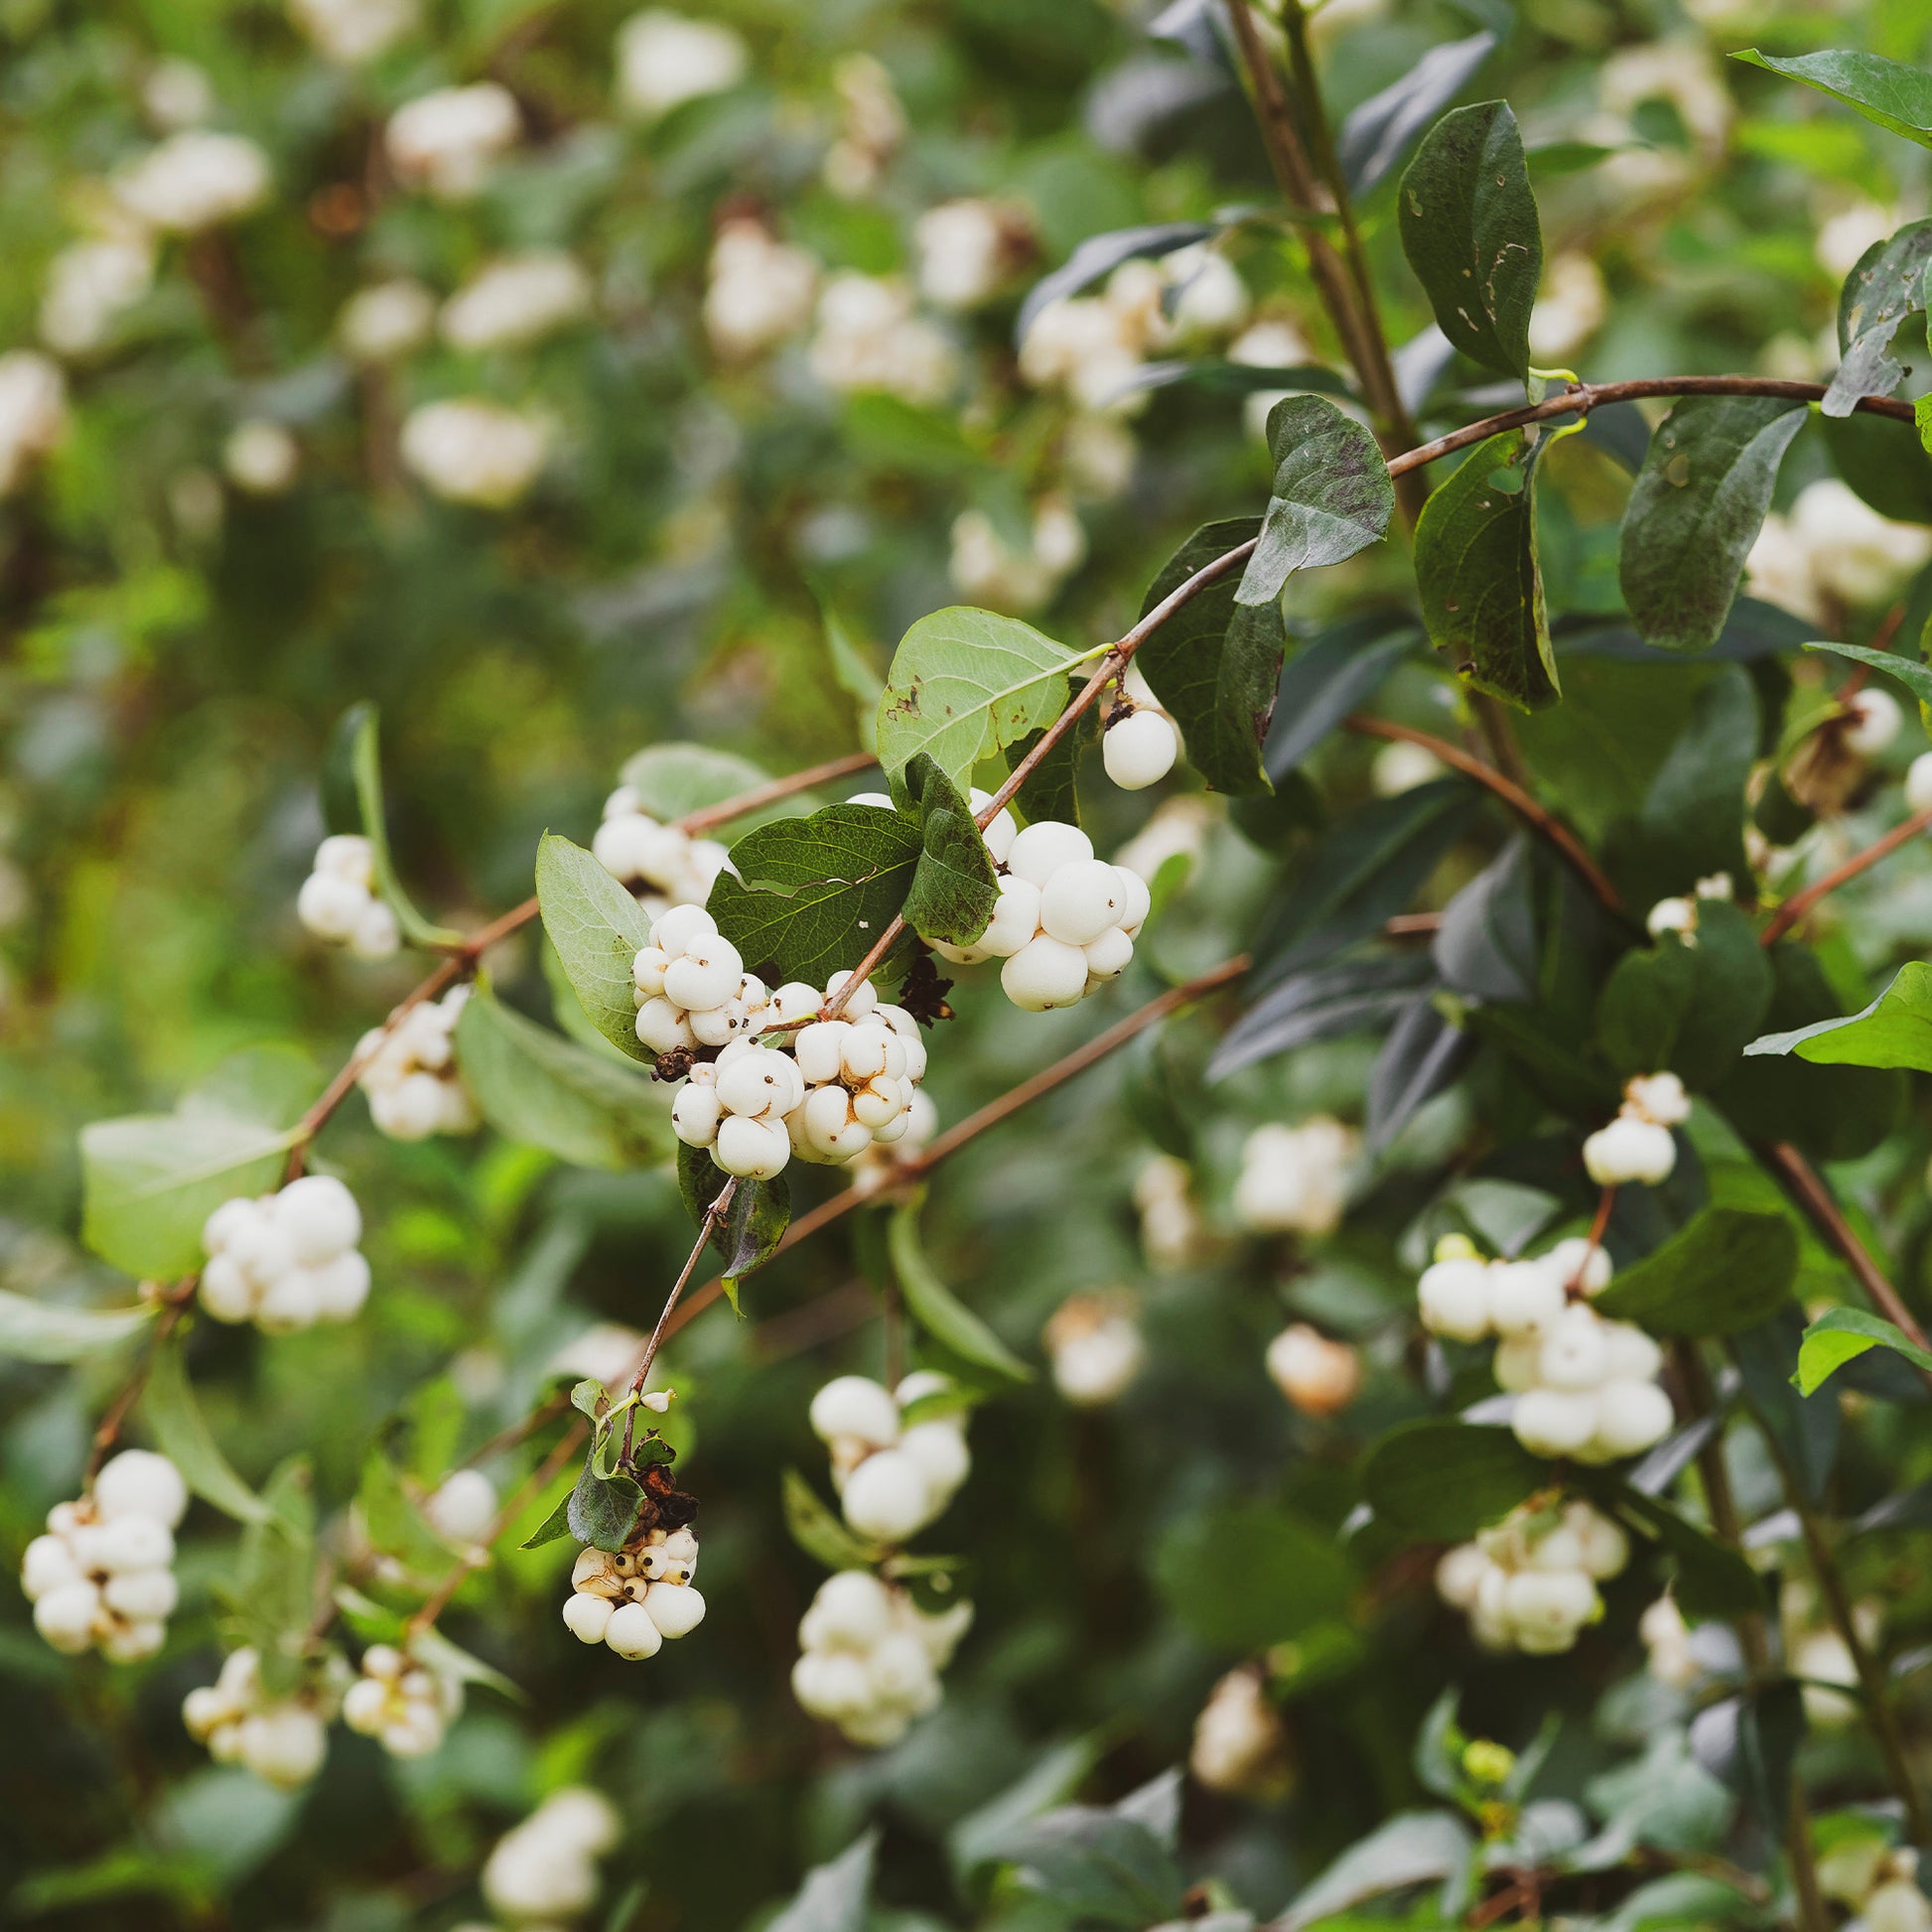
(1096, 1349)
(386, 320)
(1630, 1150)
(447, 141)
(855, 1406)
(33, 413)
(194, 180)
(463, 1506)
(138, 1482)
(665, 58)
(990, 570)
(886, 1497)
(90, 284)
(869, 339)
(760, 290)
(1239, 1742)
(472, 450)
(969, 250)
(349, 31)
(261, 458)
(1318, 1376)
(1872, 720)
(517, 300)
(1294, 1179)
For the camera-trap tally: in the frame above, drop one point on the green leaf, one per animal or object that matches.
(1695, 509)
(272, 1597)
(1731, 992)
(49, 1331)
(675, 779)
(752, 1224)
(1840, 1335)
(1914, 676)
(1727, 1271)
(967, 684)
(603, 1510)
(834, 1896)
(358, 735)
(853, 669)
(182, 1434)
(1446, 1480)
(1215, 663)
(598, 930)
(1470, 231)
(1101, 254)
(1371, 142)
(1412, 1848)
(1332, 674)
(396, 1526)
(1243, 1575)
(535, 1086)
(556, 1524)
(1098, 1867)
(1884, 461)
(1693, 820)
(1713, 1579)
(1052, 788)
(1894, 1031)
(151, 1180)
(1641, 1008)
(934, 1307)
(1477, 570)
(820, 1533)
(451, 1661)
(1331, 495)
(816, 893)
(954, 887)
(1887, 286)
(1896, 97)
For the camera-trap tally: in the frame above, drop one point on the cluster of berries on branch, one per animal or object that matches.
(1529, 1584)
(287, 1259)
(339, 902)
(408, 1072)
(893, 1476)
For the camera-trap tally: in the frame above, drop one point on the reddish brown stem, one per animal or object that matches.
(707, 1227)
(762, 795)
(109, 1432)
(1799, 904)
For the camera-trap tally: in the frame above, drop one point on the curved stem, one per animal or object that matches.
(1538, 817)
(1799, 904)
(707, 1227)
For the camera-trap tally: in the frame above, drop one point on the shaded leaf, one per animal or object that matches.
(934, 1307)
(1376, 135)
(1330, 497)
(1476, 571)
(1350, 996)
(1101, 255)
(1914, 676)
(182, 1434)
(1693, 817)
(1097, 1866)
(1412, 1848)
(1695, 509)
(1242, 1575)
(598, 930)
(1485, 946)
(954, 887)
(1470, 231)
(834, 1896)
(1728, 1269)
(1422, 1055)
(51, 1332)
(1444, 1480)
(1327, 678)
(1748, 1743)
(1806, 1433)
(1712, 1579)
(822, 1534)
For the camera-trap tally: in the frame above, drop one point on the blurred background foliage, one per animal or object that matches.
(178, 643)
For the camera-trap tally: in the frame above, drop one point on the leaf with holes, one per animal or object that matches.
(1330, 497)
(1887, 286)
(1470, 231)
(1215, 663)
(1695, 509)
(1476, 569)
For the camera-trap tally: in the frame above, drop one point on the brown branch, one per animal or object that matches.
(1799, 904)
(109, 1432)
(760, 796)
(1803, 1183)
(707, 1227)
(1536, 817)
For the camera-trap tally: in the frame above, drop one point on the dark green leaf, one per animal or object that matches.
(1242, 1575)
(1470, 231)
(1914, 676)
(1713, 1579)
(1693, 818)
(1422, 1055)
(1641, 1008)
(1887, 286)
(1376, 135)
(1215, 663)
(1839, 1335)
(1096, 1866)
(182, 1434)
(966, 685)
(535, 1086)
(1052, 787)
(603, 1510)
(1695, 509)
(1331, 495)
(598, 930)
(1883, 461)
(393, 1523)
(1444, 1480)
(954, 887)
(1554, 1069)
(1476, 571)
(1730, 991)
(1101, 255)
(819, 1532)
(556, 1524)
(1350, 996)
(1749, 1742)
(1889, 92)
(1414, 1848)
(934, 1307)
(1327, 678)
(834, 1896)
(1805, 1433)
(1727, 1271)
(754, 1223)
(1485, 946)
(817, 891)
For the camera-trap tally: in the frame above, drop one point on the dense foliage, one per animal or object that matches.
(601, 608)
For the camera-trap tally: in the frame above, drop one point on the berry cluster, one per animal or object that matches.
(543, 1872)
(871, 1657)
(1530, 1582)
(1065, 922)
(1240, 1743)
(823, 1089)
(286, 1259)
(892, 1478)
(1172, 1233)
(663, 866)
(1295, 1179)
(1095, 1348)
(1680, 915)
(283, 1740)
(410, 1073)
(1637, 1145)
(1585, 1387)
(339, 903)
(1318, 1376)
(401, 1702)
(1142, 739)
(634, 1598)
(102, 1575)
(1878, 1883)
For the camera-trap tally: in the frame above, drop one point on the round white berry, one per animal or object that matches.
(1139, 751)
(588, 1617)
(1575, 1354)
(1632, 1416)
(1136, 901)
(830, 1684)
(138, 1482)
(676, 1608)
(862, 1052)
(1873, 718)
(1582, 1263)
(857, 1408)
(1109, 956)
(632, 1633)
(1630, 1150)
(888, 1496)
(1043, 847)
(1459, 1574)
(319, 1217)
(820, 1049)
(463, 1506)
(46, 1565)
(330, 907)
(340, 1286)
(130, 1542)
(752, 1150)
(291, 1303)
(879, 1103)
(1014, 920)
(1454, 1297)
(377, 934)
(864, 1000)
(1525, 1297)
(1554, 1422)
(756, 1083)
(1918, 783)
(704, 975)
(1630, 1354)
(124, 1642)
(1897, 1906)
(1080, 901)
(939, 1450)
(1000, 830)
(853, 1608)
(65, 1616)
(1044, 973)
(695, 1115)
(661, 1025)
(899, 1670)
(142, 1593)
(348, 855)
(284, 1746)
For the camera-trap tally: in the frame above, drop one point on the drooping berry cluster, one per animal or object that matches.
(288, 1260)
(1637, 1145)
(1295, 1179)
(409, 1074)
(1585, 1387)
(102, 1575)
(871, 1658)
(283, 1740)
(339, 902)
(663, 865)
(1530, 1582)
(1095, 1348)
(633, 1598)
(892, 1478)
(401, 1702)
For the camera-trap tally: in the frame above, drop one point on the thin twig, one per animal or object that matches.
(1538, 817)
(1799, 904)
(707, 1227)
(758, 798)
(108, 1432)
